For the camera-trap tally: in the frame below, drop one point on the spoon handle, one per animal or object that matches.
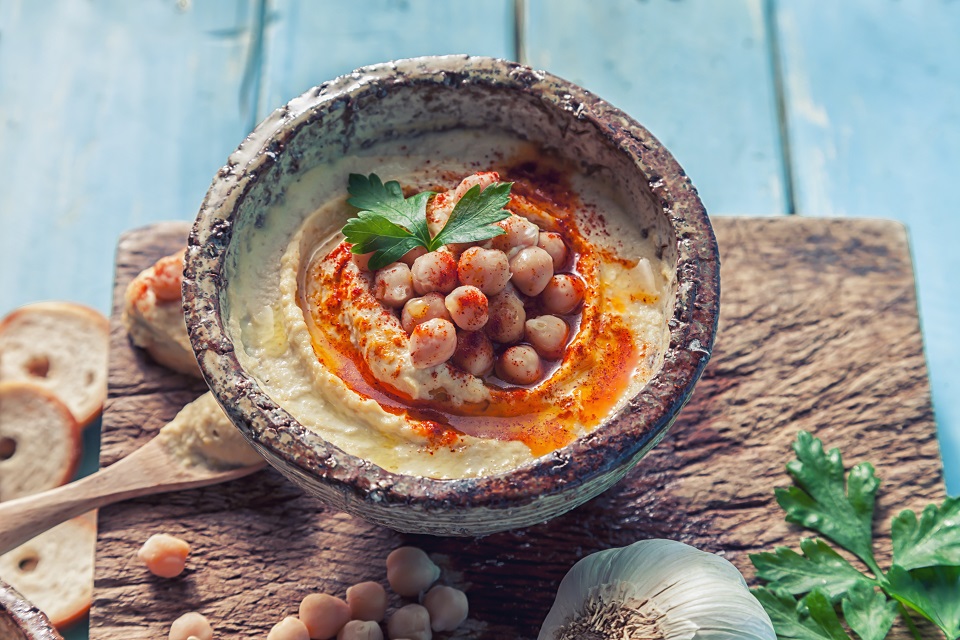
(146, 471)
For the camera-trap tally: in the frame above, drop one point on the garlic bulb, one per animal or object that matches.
(655, 589)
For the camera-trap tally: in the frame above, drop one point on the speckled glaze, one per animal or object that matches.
(441, 93)
(20, 620)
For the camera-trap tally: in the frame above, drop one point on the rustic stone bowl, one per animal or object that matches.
(436, 94)
(20, 620)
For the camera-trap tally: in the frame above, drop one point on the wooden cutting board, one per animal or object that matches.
(818, 331)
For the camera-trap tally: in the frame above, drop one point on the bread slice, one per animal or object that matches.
(39, 440)
(61, 346)
(54, 570)
(153, 315)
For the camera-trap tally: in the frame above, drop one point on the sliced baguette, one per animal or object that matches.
(39, 440)
(61, 346)
(54, 571)
(153, 315)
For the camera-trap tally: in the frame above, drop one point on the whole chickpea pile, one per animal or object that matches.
(321, 616)
(470, 306)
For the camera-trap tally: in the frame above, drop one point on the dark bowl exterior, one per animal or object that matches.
(536, 492)
(20, 620)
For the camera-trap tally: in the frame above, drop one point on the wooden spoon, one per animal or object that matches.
(148, 470)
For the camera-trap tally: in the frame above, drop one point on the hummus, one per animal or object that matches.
(202, 435)
(311, 331)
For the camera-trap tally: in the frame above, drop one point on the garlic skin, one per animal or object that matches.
(656, 589)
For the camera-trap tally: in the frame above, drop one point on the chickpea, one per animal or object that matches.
(435, 271)
(468, 307)
(482, 178)
(191, 625)
(520, 232)
(368, 601)
(548, 335)
(506, 316)
(362, 260)
(553, 244)
(532, 269)
(563, 293)
(419, 310)
(324, 615)
(486, 269)
(439, 209)
(432, 342)
(290, 628)
(410, 256)
(393, 285)
(474, 353)
(448, 608)
(167, 278)
(411, 622)
(519, 364)
(360, 630)
(410, 571)
(164, 555)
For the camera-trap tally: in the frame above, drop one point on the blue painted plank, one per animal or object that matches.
(112, 114)
(697, 74)
(873, 107)
(305, 46)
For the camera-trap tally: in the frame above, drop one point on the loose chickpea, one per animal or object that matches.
(468, 307)
(368, 601)
(432, 342)
(419, 310)
(532, 269)
(474, 353)
(360, 630)
(553, 244)
(411, 622)
(548, 335)
(520, 232)
(448, 608)
(410, 571)
(563, 293)
(435, 271)
(519, 364)
(506, 316)
(290, 629)
(191, 625)
(410, 256)
(164, 555)
(393, 285)
(486, 269)
(324, 615)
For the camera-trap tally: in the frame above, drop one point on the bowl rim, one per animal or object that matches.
(25, 615)
(274, 431)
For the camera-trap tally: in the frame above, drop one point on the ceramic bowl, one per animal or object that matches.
(20, 620)
(356, 112)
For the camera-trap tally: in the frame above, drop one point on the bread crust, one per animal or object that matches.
(61, 346)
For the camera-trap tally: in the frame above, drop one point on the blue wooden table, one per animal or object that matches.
(114, 114)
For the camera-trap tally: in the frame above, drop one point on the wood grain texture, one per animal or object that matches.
(112, 114)
(304, 47)
(818, 332)
(697, 74)
(873, 113)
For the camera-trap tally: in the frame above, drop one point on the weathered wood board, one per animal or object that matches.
(819, 331)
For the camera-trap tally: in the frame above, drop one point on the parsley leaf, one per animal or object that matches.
(868, 612)
(473, 216)
(819, 567)
(933, 540)
(390, 225)
(933, 592)
(813, 618)
(819, 502)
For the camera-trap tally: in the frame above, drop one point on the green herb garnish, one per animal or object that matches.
(925, 576)
(390, 225)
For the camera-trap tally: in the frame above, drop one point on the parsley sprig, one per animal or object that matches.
(924, 577)
(390, 225)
